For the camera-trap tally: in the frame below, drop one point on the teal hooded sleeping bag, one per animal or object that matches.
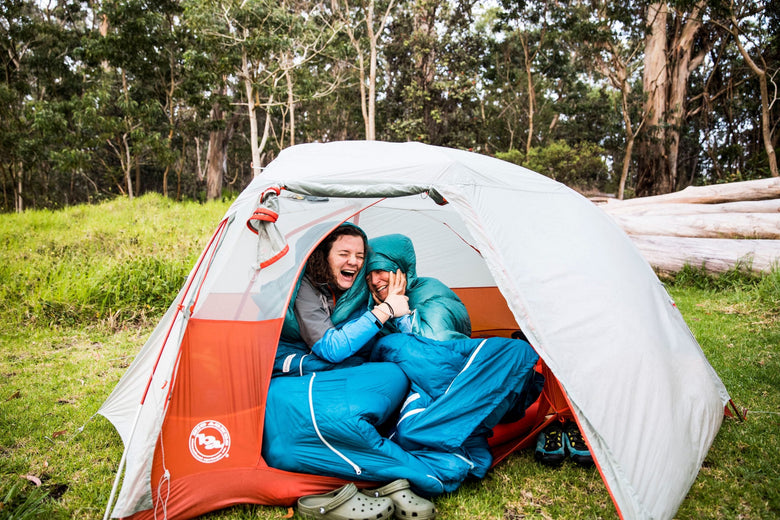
(437, 312)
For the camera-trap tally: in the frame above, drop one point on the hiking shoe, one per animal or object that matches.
(549, 445)
(575, 445)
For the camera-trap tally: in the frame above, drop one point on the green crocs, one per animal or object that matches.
(408, 505)
(345, 503)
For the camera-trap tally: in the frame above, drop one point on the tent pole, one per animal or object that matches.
(122, 462)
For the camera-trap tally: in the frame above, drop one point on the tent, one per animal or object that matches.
(521, 250)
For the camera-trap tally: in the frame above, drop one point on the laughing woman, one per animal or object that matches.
(328, 324)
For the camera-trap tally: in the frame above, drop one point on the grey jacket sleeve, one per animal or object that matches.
(313, 311)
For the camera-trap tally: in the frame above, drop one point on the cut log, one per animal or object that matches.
(673, 208)
(761, 189)
(667, 255)
(717, 225)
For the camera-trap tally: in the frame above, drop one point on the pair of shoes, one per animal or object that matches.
(345, 503)
(407, 504)
(557, 441)
(549, 445)
(575, 444)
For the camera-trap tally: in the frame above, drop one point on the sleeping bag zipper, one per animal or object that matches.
(355, 467)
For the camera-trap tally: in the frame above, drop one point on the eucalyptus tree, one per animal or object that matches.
(680, 33)
(137, 71)
(527, 31)
(602, 34)
(750, 24)
(254, 49)
(435, 64)
(364, 22)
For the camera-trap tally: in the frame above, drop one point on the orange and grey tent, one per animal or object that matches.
(523, 252)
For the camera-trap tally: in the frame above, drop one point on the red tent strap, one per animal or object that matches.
(276, 257)
(262, 214)
(740, 413)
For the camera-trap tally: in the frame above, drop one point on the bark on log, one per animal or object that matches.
(733, 225)
(667, 255)
(673, 208)
(761, 189)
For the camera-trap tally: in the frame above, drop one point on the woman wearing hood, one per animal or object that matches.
(437, 312)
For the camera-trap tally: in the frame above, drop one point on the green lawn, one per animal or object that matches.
(81, 289)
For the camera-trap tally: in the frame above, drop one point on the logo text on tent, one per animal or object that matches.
(209, 441)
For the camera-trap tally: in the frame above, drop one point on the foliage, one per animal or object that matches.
(120, 261)
(581, 166)
(99, 99)
(24, 501)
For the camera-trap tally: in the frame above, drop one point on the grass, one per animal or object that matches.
(82, 288)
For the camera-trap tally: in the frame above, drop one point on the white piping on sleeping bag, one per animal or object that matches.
(468, 364)
(355, 467)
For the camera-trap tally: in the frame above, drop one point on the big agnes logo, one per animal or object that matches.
(209, 441)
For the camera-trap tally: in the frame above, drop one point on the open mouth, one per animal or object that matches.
(349, 275)
(381, 291)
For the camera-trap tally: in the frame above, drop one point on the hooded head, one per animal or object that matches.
(439, 312)
(388, 254)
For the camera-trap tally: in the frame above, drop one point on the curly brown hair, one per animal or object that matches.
(317, 268)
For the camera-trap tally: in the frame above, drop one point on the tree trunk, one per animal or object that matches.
(531, 93)
(683, 208)
(372, 62)
(760, 189)
(668, 66)
(128, 166)
(709, 225)
(250, 103)
(766, 131)
(683, 62)
(668, 255)
(652, 155)
(216, 156)
(290, 98)
(630, 139)
(18, 201)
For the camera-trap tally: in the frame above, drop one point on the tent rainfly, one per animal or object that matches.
(521, 250)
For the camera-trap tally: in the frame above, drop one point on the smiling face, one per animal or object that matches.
(345, 259)
(377, 284)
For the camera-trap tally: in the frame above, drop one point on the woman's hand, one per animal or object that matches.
(396, 283)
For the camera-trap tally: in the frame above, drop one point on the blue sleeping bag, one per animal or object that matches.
(344, 422)
(329, 423)
(460, 389)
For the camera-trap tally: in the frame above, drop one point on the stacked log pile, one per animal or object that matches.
(717, 227)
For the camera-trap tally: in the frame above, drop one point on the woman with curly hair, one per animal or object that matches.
(329, 313)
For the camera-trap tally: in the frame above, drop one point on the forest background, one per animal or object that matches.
(188, 98)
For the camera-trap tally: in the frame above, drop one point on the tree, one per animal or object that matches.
(675, 46)
(606, 39)
(39, 81)
(745, 14)
(364, 21)
(527, 24)
(434, 68)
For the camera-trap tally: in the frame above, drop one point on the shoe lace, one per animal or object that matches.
(552, 439)
(575, 437)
